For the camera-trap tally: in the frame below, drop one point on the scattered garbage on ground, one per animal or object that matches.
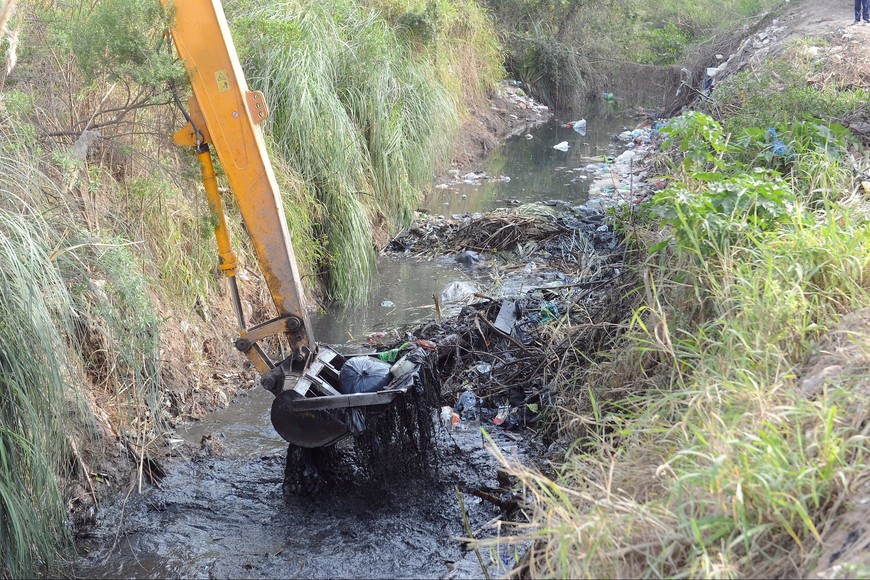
(500, 359)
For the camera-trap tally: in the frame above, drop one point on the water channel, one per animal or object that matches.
(537, 172)
(220, 512)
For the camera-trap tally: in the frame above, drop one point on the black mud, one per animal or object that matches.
(220, 516)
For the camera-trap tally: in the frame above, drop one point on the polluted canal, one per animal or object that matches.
(219, 511)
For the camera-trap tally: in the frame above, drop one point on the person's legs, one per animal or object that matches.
(858, 7)
(866, 6)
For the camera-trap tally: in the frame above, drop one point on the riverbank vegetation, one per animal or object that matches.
(727, 434)
(366, 104)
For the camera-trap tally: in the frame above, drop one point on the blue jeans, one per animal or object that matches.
(862, 6)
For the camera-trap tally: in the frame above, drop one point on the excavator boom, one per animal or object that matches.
(309, 410)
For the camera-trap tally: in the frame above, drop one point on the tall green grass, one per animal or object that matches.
(77, 314)
(725, 468)
(34, 399)
(361, 118)
(38, 409)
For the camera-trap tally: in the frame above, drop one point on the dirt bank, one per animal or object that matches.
(508, 111)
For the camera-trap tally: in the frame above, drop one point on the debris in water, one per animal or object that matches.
(449, 418)
(503, 411)
(578, 126)
(507, 317)
(467, 405)
(563, 146)
(458, 291)
(468, 257)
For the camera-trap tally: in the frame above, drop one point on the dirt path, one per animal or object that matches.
(815, 17)
(802, 19)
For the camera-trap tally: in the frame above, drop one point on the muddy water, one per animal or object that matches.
(537, 172)
(220, 512)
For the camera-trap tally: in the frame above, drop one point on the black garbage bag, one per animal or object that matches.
(363, 374)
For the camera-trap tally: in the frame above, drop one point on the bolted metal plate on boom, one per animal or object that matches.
(307, 429)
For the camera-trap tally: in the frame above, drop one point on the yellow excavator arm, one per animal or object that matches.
(226, 115)
(310, 409)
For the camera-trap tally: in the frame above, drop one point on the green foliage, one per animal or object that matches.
(663, 45)
(180, 244)
(458, 38)
(719, 208)
(116, 328)
(718, 463)
(701, 140)
(76, 311)
(121, 39)
(730, 187)
(422, 27)
(40, 408)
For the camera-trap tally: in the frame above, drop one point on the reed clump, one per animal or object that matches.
(362, 112)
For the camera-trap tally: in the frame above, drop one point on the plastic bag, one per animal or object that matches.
(362, 374)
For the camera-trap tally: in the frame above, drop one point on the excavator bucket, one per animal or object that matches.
(311, 412)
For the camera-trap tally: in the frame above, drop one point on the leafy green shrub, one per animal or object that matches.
(119, 39)
(719, 208)
(730, 186)
(422, 27)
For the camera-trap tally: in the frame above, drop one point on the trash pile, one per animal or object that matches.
(513, 92)
(622, 180)
(499, 360)
(521, 230)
